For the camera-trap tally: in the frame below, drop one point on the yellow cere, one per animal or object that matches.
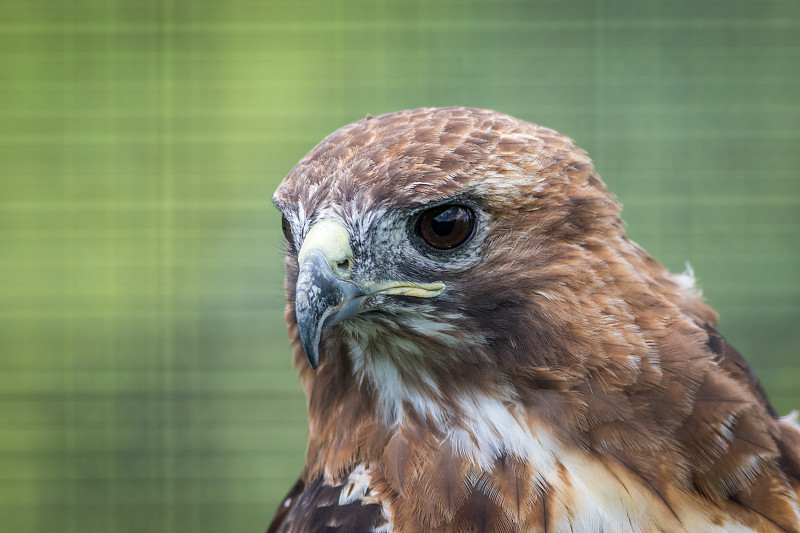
(329, 237)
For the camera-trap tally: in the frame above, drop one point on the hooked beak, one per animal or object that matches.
(326, 294)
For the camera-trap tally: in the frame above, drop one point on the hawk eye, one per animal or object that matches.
(446, 226)
(287, 230)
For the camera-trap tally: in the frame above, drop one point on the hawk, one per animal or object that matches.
(484, 350)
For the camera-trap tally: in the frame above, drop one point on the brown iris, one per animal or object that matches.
(446, 226)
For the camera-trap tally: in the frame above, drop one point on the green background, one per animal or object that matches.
(145, 382)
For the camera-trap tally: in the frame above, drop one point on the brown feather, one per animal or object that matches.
(789, 446)
(447, 479)
(770, 511)
(480, 514)
(510, 487)
(400, 464)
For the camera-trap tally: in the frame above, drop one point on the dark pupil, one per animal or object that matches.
(446, 227)
(443, 223)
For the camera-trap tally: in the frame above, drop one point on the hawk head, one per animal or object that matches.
(448, 250)
(468, 316)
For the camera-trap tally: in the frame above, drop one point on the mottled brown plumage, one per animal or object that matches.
(545, 375)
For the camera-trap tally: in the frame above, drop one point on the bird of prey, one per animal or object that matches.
(484, 350)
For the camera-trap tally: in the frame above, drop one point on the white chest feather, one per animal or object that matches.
(585, 494)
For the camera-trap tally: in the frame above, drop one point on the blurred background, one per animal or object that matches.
(145, 380)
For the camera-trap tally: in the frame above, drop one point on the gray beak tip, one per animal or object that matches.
(310, 323)
(312, 352)
(319, 295)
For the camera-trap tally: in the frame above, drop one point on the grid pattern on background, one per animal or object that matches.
(145, 382)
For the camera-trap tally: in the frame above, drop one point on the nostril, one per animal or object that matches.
(343, 265)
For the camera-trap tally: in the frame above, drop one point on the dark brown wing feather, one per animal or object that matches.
(731, 360)
(743, 452)
(315, 506)
(285, 506)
